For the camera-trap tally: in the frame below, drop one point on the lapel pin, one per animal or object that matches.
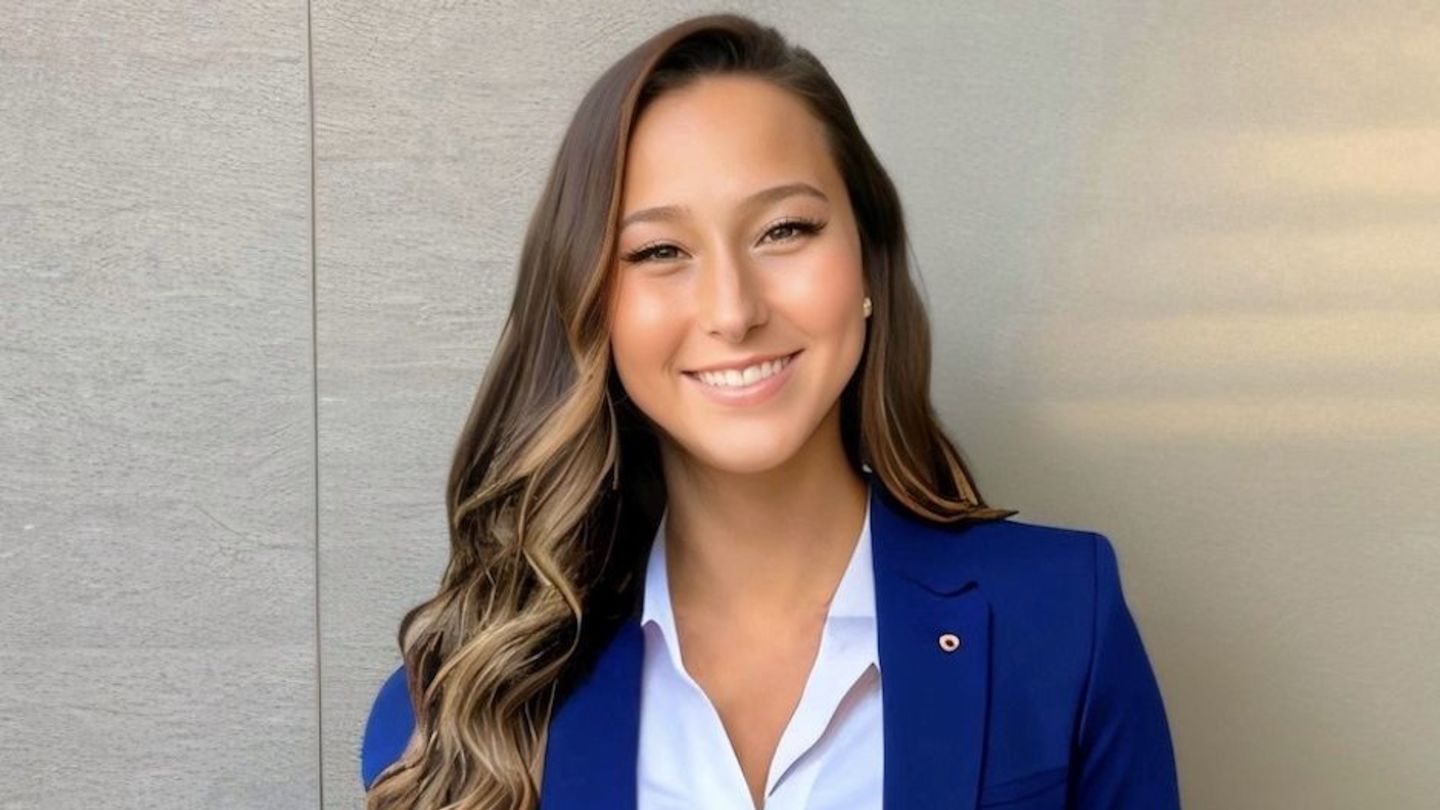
(949, 642)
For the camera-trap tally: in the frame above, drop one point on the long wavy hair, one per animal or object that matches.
(555, 488)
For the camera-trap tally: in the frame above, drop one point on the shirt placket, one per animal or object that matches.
(839, 665)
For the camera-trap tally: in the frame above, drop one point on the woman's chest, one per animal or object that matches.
(779, 726)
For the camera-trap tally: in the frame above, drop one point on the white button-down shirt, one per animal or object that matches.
(830, 755)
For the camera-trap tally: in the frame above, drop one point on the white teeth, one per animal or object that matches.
(733, 378)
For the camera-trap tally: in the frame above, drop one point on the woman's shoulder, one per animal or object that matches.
(388, 727)
(1030, 549)
(1024, 567)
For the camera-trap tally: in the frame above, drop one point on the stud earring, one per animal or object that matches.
(867, 306)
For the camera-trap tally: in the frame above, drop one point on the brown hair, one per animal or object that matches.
(555, 488)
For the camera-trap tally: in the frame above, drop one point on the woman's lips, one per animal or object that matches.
(753, 394)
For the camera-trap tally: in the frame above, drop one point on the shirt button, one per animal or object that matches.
(949, 642)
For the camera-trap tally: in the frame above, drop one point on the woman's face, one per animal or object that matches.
(717, 265)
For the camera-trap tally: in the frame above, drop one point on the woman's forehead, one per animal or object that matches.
(723, 140)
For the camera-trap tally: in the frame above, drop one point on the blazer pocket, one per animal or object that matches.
(1042, 784)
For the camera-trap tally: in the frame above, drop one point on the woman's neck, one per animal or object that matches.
(754, 548)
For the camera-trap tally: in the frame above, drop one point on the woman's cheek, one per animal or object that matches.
(826, 292)
(645, 332)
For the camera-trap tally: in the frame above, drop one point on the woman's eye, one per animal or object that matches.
(804, 227)
(644, 254)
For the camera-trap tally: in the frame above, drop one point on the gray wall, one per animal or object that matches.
(1182, 262)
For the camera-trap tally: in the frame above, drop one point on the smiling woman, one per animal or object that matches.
(702, 503)
(745, 276)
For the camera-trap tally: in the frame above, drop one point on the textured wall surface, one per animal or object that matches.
(157, 552)
(1181, 260)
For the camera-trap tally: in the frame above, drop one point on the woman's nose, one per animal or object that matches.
(730, 301)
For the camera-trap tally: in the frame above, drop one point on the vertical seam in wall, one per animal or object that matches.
(315, 404)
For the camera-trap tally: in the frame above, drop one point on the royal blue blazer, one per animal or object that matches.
(1048, 703)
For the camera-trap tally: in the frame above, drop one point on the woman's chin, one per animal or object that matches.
(741, 459)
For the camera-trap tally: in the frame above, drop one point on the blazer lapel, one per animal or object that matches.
(933, 698)
(594, 736)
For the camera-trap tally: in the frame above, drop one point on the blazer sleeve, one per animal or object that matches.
(1124, 753)
(387, 731)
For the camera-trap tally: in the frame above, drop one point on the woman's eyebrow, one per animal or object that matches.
(764, 196)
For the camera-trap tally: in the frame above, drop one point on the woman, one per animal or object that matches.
(710, 545)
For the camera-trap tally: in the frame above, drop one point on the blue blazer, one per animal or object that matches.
(1049, 701)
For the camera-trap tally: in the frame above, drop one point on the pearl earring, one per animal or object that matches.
(867, 306)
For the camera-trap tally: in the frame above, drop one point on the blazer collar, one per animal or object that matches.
(933, 699)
